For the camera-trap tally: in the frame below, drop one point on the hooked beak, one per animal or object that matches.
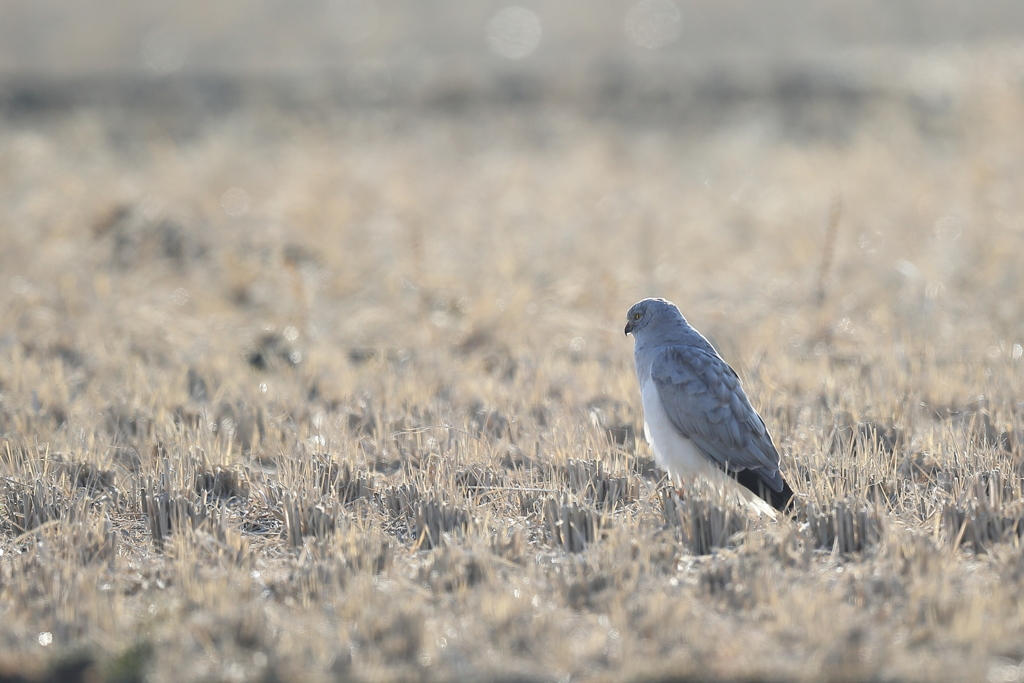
(629, 326)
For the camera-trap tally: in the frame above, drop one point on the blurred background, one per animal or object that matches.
(822, 168)
(401, 51)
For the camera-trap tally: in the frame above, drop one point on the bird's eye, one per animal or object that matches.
(636, 316)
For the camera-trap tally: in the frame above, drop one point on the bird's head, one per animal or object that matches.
(643, 312)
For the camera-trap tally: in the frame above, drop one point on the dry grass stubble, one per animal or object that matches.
(349, 397)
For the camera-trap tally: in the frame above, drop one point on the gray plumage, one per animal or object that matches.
(694, 404)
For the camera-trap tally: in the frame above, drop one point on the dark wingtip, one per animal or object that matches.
(780, 500)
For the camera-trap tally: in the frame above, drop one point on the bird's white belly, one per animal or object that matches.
(673, 452)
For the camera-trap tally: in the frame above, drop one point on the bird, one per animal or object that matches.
(697, 418)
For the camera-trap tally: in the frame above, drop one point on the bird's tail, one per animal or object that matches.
(751, 479)
(727, 486)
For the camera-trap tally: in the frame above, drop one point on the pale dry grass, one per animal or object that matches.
(382, 423)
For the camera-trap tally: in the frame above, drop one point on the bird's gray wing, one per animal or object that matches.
(705, 402)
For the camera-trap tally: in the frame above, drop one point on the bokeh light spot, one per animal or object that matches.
(235, 202)
(654, 23)
(514, 32)
(164, 50)
(355, 20)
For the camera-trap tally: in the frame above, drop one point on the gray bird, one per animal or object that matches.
(697, 418)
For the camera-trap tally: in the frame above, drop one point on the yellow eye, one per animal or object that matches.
(636, 316)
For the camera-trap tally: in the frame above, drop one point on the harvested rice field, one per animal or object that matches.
(296, 386)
